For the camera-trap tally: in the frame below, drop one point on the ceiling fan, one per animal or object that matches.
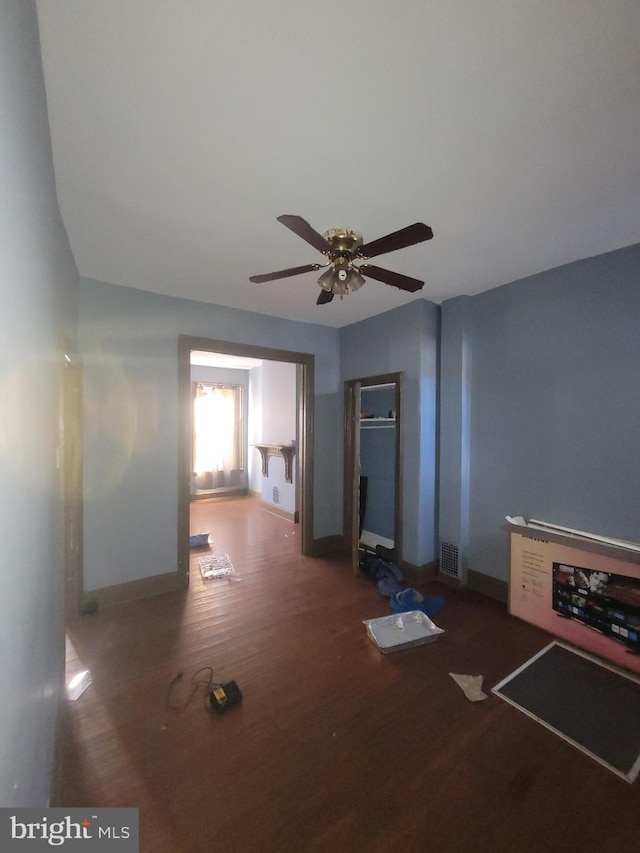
(344, 246)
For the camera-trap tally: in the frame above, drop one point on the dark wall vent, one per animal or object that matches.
(449, 560)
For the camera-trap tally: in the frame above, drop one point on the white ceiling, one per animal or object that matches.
(182, 128)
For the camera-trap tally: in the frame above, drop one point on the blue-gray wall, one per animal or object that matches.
(279, 426)
(39, 296)
(405, 340)
(128, 340)
(540, 414)
(129, 343)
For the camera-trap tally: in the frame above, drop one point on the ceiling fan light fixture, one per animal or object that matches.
(341, 278)
(355, 279)
(326, 280)
(341, 287)
(341, 247)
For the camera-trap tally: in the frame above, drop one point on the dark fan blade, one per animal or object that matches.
(396, 279)
(325, 296)
(272, 276)
(408, 236)
(302, 228)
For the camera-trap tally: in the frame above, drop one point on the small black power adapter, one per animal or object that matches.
(225, 696)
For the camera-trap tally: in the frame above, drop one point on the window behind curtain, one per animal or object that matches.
(217, 430)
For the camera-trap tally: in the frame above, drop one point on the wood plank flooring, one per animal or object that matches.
(335, 746)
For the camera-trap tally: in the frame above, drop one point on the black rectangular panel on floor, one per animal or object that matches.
(582, 700)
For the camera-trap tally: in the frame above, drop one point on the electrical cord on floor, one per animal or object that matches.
(197, 683)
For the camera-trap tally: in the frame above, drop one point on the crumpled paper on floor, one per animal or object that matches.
(471, 685)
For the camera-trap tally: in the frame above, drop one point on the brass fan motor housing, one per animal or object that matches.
(344, 242)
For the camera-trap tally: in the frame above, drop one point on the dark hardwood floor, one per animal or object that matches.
(335, 746)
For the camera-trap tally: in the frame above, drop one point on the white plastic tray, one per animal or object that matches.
(402, 631)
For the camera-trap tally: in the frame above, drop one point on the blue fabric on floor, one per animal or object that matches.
(411, 599)
(388, 586)
(375, 568)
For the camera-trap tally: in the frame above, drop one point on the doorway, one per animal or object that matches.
(373, 466)
(302, 458)
(70, 465)
(222, 400)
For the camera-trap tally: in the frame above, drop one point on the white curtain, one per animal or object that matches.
(216, 440)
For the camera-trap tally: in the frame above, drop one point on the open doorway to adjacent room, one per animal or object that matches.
(224, 422)
(245, 434)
